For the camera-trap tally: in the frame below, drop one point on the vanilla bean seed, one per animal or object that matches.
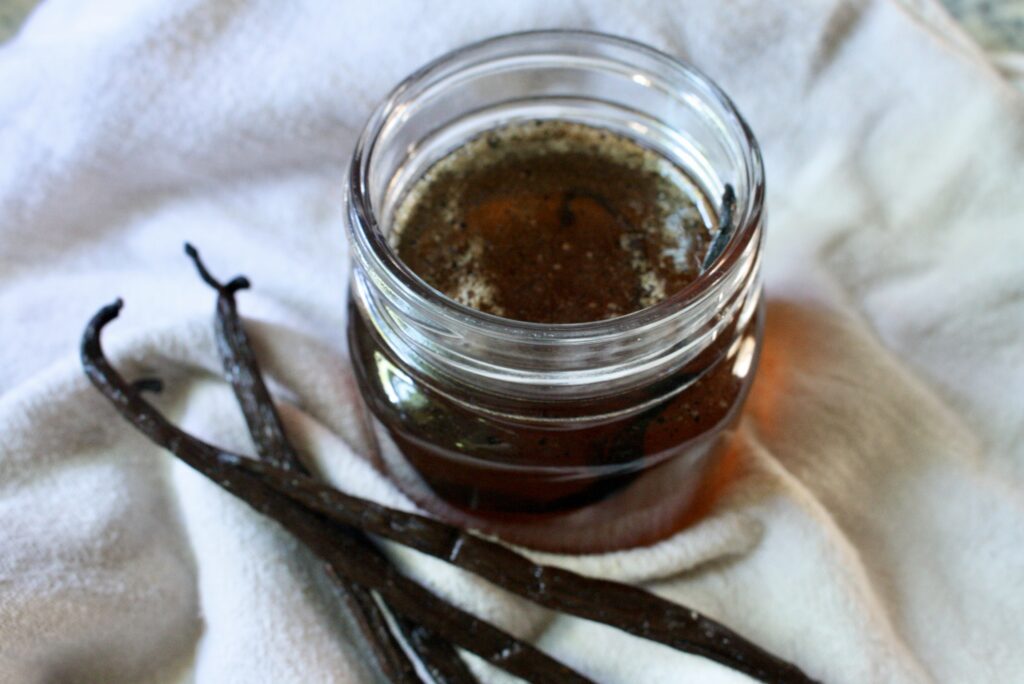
(341, 554)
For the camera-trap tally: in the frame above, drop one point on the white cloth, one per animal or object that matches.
(877, 532)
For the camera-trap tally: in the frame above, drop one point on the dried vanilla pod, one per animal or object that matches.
(273, 446)
(341, 554)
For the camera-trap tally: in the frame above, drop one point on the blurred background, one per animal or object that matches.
(997, 25)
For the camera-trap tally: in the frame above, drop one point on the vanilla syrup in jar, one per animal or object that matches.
(555, 311)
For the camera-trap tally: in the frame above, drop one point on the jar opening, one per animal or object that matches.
(433, 81)
(588, 78)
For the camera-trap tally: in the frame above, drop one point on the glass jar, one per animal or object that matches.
(557, 436)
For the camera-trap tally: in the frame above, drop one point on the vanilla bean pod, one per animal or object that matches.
(726, 227)
(423, 641)
(341, 554)
(631, 609)
(242, 371)
(273, 446)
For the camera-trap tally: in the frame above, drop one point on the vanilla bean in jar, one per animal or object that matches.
(543, 349)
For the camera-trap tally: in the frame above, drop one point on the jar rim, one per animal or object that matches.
(369, 232)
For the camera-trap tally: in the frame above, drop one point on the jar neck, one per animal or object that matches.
(573, 361)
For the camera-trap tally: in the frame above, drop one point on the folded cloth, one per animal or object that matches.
(877, 531)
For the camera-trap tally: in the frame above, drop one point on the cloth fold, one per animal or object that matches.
(876, 532)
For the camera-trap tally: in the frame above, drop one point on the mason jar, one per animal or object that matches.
(579, 436)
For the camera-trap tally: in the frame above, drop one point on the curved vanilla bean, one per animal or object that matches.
(726, 226)
(273, 446)
(631, 609)
(242, 371)
(341, 553)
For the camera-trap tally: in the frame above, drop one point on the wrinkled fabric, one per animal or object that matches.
(876, 530)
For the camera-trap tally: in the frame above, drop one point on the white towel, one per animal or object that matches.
(877, 531)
